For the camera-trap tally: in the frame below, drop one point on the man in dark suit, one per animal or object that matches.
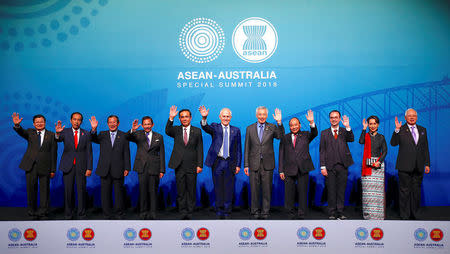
(259, 156)
(113, 164)
(150, 164)
(186, 159)
(224, 158)
(295, 163)
(412, 161)
(335, 158)
(38, 162)
(75, 163)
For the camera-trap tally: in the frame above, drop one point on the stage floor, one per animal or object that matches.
(430, 213)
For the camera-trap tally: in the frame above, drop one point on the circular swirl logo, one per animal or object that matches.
(303, 233)
(129, 234)
(245, 234)
(187, 234)
(420, 234)
(14, 234)
(202, 40)
(73, 234)
(361, 233)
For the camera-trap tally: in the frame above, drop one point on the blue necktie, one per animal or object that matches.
(112, 138)
(414, 134)
(39, 137)
(148, 139)
(260, 132)
(225, 142)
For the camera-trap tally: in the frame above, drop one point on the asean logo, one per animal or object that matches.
(420, 234)
(202, 40)
(436, 234)
(30, 234)
(88, 234)
(361, 233)
(318, 233)
(260, 233)
(303, 233)
(377, 234)
(245, 234)
(129, 234)
(14, 234)
(187, 234)
(203, 234)
(73, 234)
(145, 234)
(255, 40)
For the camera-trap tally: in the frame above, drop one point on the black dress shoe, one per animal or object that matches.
(82, 217)
(143, 216)
(264, 217)
(331, 217)
(255, 217)
(342, 217)
(68, 217)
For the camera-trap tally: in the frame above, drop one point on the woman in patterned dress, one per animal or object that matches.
(372, 176)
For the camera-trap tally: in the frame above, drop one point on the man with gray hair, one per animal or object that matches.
(260, 159)
(224, 158)
(412, 161)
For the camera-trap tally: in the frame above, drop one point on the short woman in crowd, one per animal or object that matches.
(372, 176)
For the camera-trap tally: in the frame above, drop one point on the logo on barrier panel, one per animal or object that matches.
(30, 234)
(420, 234)
(73, 234)
(129, 234)
(245, 234)
(255, 40)
(436, 234)
(145, 234)
(88, 234)
(303, 233)
(318, 233)
(203, 234)
(361, 233)
(202, 40)
(260, 233)
(187, 234)
(377, 234)
(14, 234)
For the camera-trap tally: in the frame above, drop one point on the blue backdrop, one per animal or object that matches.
(135, 58)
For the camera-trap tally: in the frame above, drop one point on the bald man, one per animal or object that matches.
(413, 161)
(224, 158)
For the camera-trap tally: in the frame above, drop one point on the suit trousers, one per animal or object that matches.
(261, 184)
(69, 197)
(336, 183)
(148, 194)
(107, 182)
(223, 178)
(409, 193)
(302, 190)
(32, 178)
(186, 182)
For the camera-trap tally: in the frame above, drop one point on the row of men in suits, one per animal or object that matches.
(223, 157)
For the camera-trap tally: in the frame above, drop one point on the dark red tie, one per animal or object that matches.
(75, 140)
(335, 134)
(295, 140)
(185, 137)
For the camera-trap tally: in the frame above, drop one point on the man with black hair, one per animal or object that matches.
(38, 162)
(186, 159)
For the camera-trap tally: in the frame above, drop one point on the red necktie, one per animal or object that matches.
(295, 139)
(185, 137)
(335, 134)
(75, 140)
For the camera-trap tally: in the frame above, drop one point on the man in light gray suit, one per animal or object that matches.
(260, 159)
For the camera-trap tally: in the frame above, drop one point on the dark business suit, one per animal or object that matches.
(185, 159)
(149, 163)
(411, 161)
(295, 163)
(114, 159)
(74, 163)
(223, 169)
(259, 157)
(38, 162)
(336, 157)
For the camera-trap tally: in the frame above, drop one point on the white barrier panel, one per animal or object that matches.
(220, 236)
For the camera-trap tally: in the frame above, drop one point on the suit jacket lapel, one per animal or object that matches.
(152, 142)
